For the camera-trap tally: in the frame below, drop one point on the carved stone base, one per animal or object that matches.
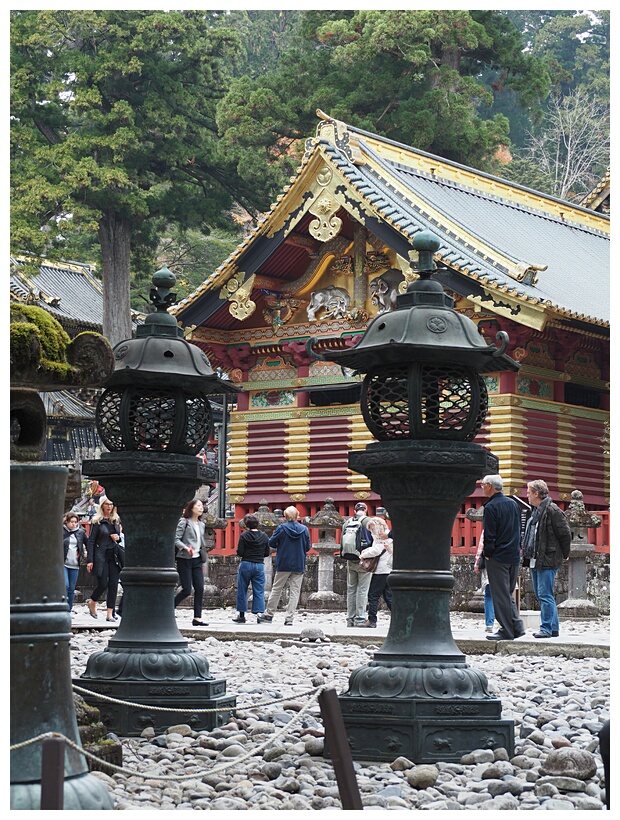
(425, 730)
(476, 602)
(130, 720)
(578, 608)
(323, 599)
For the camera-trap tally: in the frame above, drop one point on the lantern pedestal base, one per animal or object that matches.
(418, 697)
(424, 730)
(131, 717)
(148, 662)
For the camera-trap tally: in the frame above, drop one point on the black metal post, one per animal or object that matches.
(52, 773)
(337, 746)
(222, 444)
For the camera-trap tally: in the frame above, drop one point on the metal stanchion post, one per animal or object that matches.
(338, 745)
(53, 773)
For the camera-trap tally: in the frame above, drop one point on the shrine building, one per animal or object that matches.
(333, 253)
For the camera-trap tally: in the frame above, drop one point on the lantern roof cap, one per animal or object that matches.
(160, 356)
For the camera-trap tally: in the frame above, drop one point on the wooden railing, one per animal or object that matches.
(464, 541)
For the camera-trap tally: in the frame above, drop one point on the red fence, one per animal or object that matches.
(465, 535)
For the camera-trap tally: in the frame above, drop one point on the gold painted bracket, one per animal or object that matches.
(241, 306)
(327, 225)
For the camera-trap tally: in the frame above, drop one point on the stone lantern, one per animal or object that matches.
(328, 520)
(212, 523)
(154, 417)
(579, 520)
(43, 358)
(424, 399)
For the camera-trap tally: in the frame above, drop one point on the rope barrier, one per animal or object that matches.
(235, 761)
(110, 699)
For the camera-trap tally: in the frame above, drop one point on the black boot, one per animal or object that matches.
(240, 619)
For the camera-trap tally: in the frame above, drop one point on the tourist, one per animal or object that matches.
(191, 554)
(546, 543)
(104, 558)
(501, 523)
(74, 544)
(355, 538)
(380, 548)
(92, 509)
(252, 548)
(291, 541)
(480, 567)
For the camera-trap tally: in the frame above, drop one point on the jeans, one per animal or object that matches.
(358, 584)
(191, 574)
(489, 610)
(378, 587)
(71, 576)
(253, 573)
(543, 581)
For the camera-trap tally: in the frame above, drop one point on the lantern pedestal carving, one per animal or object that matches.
(148, 662)
(418, 697)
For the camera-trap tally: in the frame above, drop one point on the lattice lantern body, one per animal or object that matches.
(157, 398)
(423, 364)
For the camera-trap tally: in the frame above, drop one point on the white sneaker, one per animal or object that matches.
(288, 622)
(488, 629)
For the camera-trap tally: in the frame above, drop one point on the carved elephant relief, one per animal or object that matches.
(333, 301)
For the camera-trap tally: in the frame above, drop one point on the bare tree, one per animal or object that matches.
(571, 147)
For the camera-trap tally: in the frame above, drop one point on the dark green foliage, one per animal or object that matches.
(114, 126)
(412, 76)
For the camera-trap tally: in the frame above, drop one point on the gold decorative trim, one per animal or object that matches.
(327, 225)
(241, 307)
(296, 456)
(506, 437)
(566, 454)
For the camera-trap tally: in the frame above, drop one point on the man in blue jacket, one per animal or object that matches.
(502, 554)
(291, 540)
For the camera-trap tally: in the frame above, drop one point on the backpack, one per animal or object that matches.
(354, 538)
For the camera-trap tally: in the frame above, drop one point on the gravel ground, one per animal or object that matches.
(270, 757)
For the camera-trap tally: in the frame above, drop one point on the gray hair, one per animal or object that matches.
(538, 486)
(496, 481)
(291, 513)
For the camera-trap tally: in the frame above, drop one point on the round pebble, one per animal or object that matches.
(557, 709)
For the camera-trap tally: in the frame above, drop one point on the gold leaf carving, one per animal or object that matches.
(327, 225)
(324, 176)
(241, 306)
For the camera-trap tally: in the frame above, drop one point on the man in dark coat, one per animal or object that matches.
(291, 540)
(501, 524)
(546, 543)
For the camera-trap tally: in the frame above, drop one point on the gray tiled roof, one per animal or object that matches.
(79, 293)
(577, 276)
(64, 403)
(73, 295)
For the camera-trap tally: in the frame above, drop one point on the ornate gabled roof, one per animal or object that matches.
(508, 248)
(69, 291)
